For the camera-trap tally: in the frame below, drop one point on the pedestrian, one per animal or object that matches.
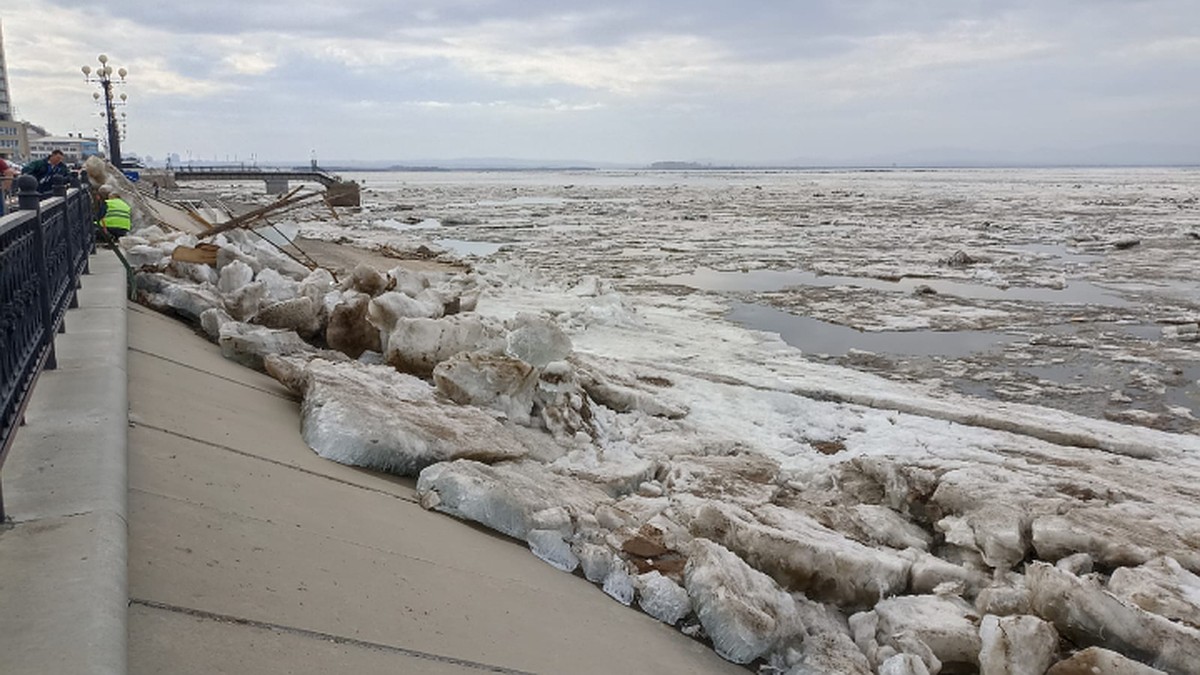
(114, 218)
(6, 178)
(46, 170)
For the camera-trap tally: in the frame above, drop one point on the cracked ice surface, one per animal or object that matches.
(813, 513)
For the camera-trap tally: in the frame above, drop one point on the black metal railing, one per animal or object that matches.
(44, 248)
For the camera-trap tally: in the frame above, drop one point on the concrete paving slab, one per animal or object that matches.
(253, 413)
(188, 644)
(62, 594)
(166, 339)
(70, 456)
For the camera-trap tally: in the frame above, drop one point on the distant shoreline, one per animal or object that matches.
(677, 167)
(864, 168)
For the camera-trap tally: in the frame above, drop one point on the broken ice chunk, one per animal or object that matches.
(550, 547)
(233, 276)
(938, 629)
(298, 314)
(504, 497)
(374, 417)
(418, 345)
(211, 321)
(188, 300)
(903, 664)
(1160, 586)
(348, 330)
(492, 381)
(597, 561)
(619, 585)
(1097, 661)
(801, 553)
(1087, 614)
(249, 345)
(662, 598)
(744, 612)
(826, 653)
(1016, 645)
(537, 341)
(278, 287)
(1116, 535)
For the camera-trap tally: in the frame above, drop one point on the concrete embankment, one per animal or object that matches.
(245, 552)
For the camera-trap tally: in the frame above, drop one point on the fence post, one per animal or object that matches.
(84, 205)
(61, 183)
(58, 186)
(28, 199)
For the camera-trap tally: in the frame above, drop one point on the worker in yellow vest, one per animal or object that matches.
(114, 217)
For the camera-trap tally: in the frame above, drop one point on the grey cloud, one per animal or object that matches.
(820, 77)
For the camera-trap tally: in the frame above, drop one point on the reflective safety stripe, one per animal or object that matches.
(116, 214)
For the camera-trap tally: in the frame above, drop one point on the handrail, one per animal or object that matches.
(44, 248)
(323, 176)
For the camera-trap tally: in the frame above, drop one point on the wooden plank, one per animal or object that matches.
(205, 254)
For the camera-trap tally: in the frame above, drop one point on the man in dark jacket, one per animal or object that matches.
(45, 170)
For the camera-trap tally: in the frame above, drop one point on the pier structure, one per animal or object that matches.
(339, 192)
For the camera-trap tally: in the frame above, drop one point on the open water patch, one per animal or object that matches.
(760, 281)
(814, 336)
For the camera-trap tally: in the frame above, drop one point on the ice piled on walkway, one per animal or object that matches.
(662, 598)
(550, 546)
(506, 497)
(793, 513)
(743, 611)
(374, 417)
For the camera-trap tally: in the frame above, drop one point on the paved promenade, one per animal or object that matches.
(247, 553)
(62, 560)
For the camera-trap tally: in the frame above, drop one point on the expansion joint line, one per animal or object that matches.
(268, 460)
(181, 364)
(326, 637)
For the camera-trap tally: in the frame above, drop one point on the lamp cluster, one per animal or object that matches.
(104, 77)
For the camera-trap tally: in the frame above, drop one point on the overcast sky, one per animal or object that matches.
(620, 80)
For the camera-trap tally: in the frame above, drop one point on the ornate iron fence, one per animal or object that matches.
(44, 248)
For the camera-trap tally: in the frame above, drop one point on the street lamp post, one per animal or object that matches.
(103, 77)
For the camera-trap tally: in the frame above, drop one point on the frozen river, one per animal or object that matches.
(891, 422)
(1060, 287)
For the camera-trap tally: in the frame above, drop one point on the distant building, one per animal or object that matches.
(14, 140)
(5, 99)
(75, 148)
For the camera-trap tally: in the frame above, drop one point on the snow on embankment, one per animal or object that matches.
(798, 534)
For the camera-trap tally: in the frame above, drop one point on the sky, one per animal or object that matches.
(624, 81)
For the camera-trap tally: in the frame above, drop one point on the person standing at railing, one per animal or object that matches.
(45, 171)
(6, 179)
(115, 217)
